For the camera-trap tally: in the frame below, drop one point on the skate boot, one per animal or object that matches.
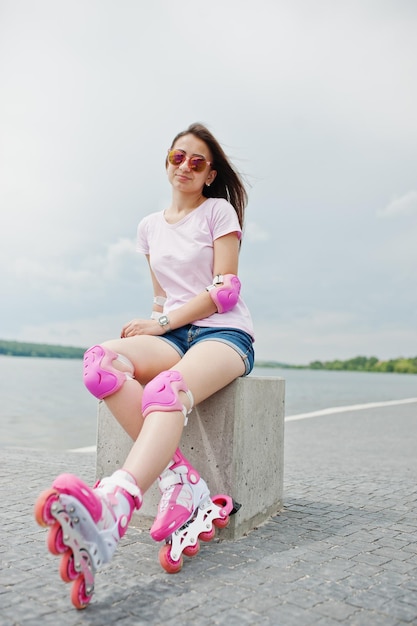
(86, 525)
(186, 513)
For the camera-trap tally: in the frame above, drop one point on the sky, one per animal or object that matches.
(314, 102)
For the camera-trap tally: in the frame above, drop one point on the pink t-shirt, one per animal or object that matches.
(181, 257)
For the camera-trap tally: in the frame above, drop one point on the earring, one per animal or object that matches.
(207, 184)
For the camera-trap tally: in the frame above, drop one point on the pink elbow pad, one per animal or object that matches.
(225, 292)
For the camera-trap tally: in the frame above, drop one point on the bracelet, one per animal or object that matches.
(159, 300)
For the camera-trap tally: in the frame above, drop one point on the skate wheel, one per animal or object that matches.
(79, 596)
(207, 535)
(55, 540)
(168, 564)
(191, 551)
(42, 509)
(221, 522)
(67, 569)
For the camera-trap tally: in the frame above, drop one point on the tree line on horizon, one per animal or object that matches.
(369, 364)
(358, 364)
(42, 350)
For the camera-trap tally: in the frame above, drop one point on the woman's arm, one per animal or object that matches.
(226, 254)
(226, 258)
(159, 295)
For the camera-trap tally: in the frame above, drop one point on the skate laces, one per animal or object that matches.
(180, 486)
(177, 495)
(173, 485)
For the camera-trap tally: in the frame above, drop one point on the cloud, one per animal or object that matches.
(329, 336)
(81, 332)
(402, 205)
(91, 273)
(255, 233)
(315, 104)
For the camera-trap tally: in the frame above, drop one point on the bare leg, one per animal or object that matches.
(206, 368)
(149, 356)
(92, 521)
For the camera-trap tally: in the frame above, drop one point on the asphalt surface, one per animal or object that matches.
(343, 550)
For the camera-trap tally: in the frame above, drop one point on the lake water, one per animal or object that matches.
(43, 402)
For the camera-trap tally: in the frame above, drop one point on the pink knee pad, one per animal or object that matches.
(161, 394)
(100, 376)
(225, 292)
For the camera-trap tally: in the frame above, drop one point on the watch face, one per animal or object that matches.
(163, 320)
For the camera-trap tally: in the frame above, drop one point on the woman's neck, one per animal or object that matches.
(184, 203)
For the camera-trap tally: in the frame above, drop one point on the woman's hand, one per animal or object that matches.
(141, 327)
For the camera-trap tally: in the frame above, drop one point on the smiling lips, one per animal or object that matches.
(182, 177)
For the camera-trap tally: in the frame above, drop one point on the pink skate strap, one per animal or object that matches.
(179, 459)
(226, 295)
(100, 376)
(161, 394)
(73, 486)
(179, 471)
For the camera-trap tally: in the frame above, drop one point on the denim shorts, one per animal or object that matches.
(182, 339)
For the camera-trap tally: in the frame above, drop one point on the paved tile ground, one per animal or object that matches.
(343, 551)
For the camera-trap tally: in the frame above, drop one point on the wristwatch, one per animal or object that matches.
(163, 321)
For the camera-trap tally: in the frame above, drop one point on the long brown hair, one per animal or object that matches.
(228, 183)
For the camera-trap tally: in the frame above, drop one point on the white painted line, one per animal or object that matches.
(303, 416)
(345, 409)
(86, 449)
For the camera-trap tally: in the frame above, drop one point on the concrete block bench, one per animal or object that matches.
(236, 441)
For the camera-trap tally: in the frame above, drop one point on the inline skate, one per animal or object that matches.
(85, 525)
(186, 513)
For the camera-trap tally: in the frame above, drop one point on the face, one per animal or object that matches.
(183, 177)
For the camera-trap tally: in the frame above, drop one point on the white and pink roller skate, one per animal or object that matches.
(186, 513)
(86, 525)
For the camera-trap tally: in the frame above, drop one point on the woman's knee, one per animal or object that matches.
(108, 365)
(105, 371)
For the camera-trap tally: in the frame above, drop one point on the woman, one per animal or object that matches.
(198, 340)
